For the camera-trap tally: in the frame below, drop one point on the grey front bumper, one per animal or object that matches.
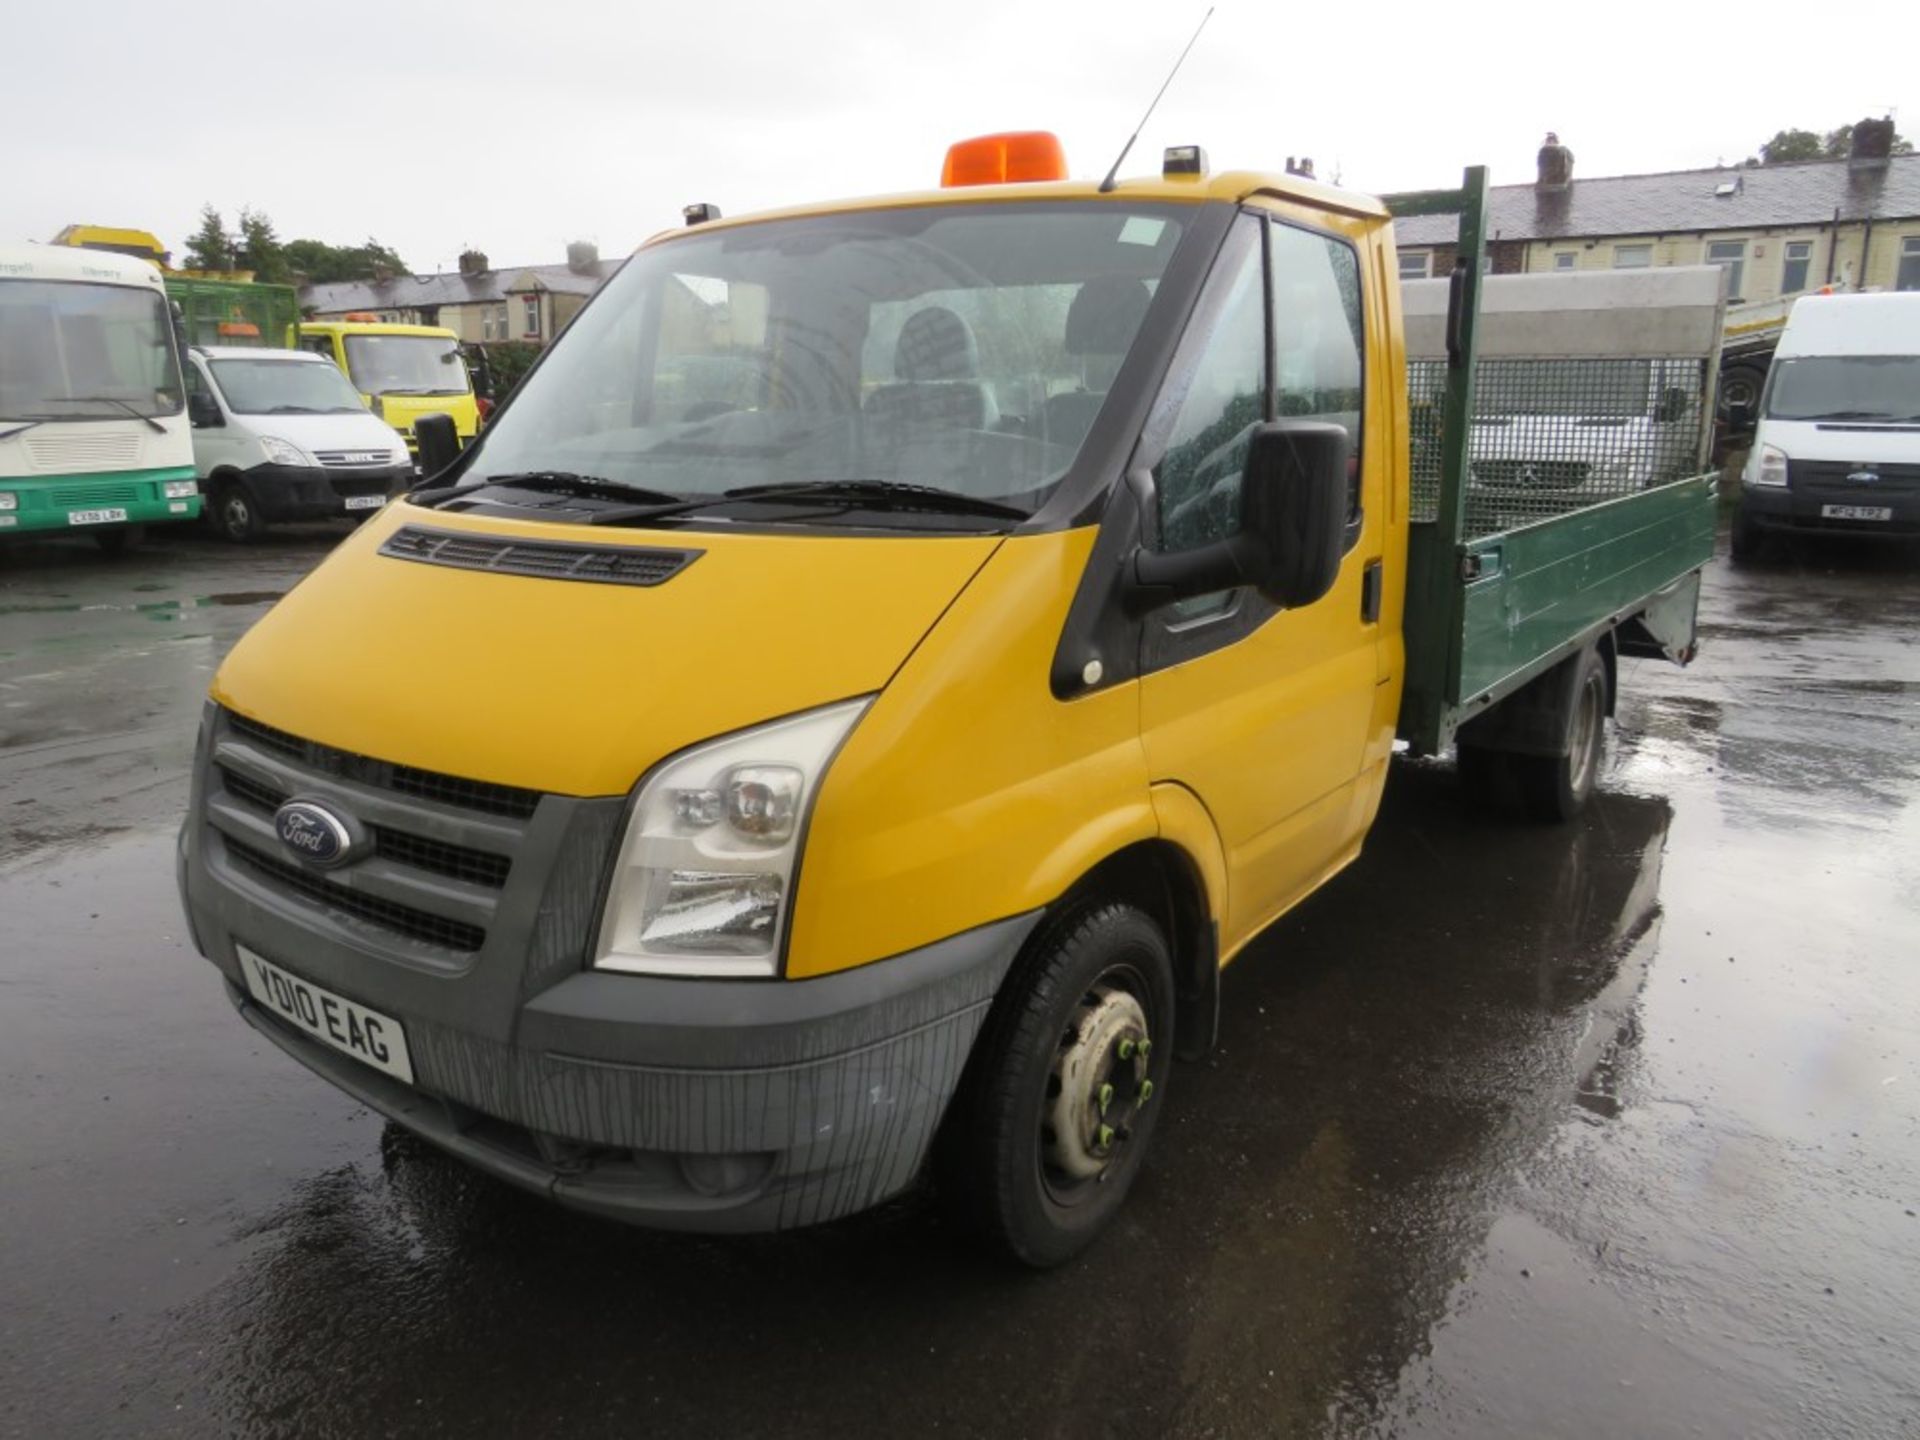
(681, 1104)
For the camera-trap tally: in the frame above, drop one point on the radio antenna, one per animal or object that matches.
(1106, 185)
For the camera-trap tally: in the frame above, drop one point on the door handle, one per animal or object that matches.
(1370, 582)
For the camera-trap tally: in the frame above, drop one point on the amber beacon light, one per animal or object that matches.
(1008, 158)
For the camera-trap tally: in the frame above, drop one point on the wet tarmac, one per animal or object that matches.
(1612, 1129)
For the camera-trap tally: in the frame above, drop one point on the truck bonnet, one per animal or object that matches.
(576, 686)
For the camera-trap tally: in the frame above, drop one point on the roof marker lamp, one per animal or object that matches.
(1182, 160)
(1010, 158)
(704, 882)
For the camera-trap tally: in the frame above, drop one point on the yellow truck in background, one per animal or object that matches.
(881, 665)
(402, 371)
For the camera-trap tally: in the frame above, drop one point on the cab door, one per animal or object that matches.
(1263, 713)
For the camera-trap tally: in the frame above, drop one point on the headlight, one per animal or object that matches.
(9, 500)
(180, 489)
(704, 881)
(1770, 466)
(279, 452)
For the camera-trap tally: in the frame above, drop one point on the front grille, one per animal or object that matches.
(95, 494)
(50, 450)
(481, 795)
(388, 914)
(1831, 475)
(355, 459)
(456, 862)
(1531, 474)
(547, 559)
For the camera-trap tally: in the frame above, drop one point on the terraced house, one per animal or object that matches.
(1778, 230)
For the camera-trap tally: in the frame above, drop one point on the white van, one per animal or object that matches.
(1837, 447)
(281, 435)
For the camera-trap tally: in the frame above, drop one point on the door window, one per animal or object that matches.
(1317, 338)
(1209, 420)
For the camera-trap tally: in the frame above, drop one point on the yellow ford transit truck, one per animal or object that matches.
(887, 658)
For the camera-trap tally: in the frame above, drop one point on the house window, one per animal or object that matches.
(1414, 263)
(1564, 260)
(487, 331)
(1908, 276)
(1632, 257)
(1731, 256)
(1793, 274)
(532, 307)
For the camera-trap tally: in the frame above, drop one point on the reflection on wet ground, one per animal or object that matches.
(1512, 1131)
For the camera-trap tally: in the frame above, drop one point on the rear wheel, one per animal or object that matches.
(1557, 787)
(1059, 1101)
(234, 514)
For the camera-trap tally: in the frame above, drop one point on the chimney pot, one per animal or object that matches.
(473, 262)
(582, 256)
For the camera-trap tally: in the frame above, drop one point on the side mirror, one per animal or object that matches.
(439, 443)
(202, 412)
(1674, 403)
(1293, 520)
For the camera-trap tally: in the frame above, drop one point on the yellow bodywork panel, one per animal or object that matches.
(969, 793)
(579, 688)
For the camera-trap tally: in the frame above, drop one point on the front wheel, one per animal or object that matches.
(234, 514)
(1746, 538)
(1059, 1101)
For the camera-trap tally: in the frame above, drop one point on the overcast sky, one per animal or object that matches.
(514, 128)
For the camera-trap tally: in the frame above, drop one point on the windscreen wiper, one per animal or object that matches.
(1852, 415)
(839, 494)
(882, 495)
(125, 405)
(20, 429)
(556, 482)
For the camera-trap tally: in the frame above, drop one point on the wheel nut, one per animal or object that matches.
(1105, 1098)
(1126, 1049)
(1103, 1137)
(1146, 1048)
(1145, 1092)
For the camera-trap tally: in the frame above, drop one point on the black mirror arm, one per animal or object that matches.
(1156, 578)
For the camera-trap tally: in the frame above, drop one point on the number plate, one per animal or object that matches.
(367, 1035)
(1856, 512)
(365, 502)
(96, 517)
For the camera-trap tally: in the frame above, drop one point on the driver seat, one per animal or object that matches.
(938, 382)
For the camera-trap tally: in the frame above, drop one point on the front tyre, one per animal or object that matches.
(1061, 1096)
(235, 514)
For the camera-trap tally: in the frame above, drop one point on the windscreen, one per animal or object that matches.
(78, 351)
(1845, 387)
(285, 387)
(1584, 389)
(964, 347)
(406, 365)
